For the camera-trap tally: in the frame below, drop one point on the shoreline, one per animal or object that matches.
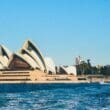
(38, 77)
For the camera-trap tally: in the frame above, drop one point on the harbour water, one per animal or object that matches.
(58, 97)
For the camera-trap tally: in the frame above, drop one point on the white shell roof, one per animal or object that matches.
(29, 58)
(70, 70)
(50, 65)
(35, 54)
(5, 55)
(28, 61)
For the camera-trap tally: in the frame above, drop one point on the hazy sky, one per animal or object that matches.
(62, 29)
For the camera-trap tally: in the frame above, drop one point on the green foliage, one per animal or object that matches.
(105, 70)
(86, 69)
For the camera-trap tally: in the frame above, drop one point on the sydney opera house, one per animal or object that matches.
(28, 58)
(29, 64)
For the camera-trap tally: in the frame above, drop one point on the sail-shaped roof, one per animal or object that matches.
(19, 62)
(33, 51)
(29, 58)
(69, 70)
(50, 65)
(5, 55)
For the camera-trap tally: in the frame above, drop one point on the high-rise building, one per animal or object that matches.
(78, 60)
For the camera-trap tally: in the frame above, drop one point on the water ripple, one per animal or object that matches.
(76, 97)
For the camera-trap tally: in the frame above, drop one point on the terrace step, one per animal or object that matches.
(15, 72)
(15, 79)
(14, 75)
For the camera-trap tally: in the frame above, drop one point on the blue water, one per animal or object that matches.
(57, 97)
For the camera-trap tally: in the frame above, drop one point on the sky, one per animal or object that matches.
(62, 29)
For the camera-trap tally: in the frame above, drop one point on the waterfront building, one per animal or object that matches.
(30, 58)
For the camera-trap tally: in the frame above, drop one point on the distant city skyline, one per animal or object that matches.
(62, 29)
